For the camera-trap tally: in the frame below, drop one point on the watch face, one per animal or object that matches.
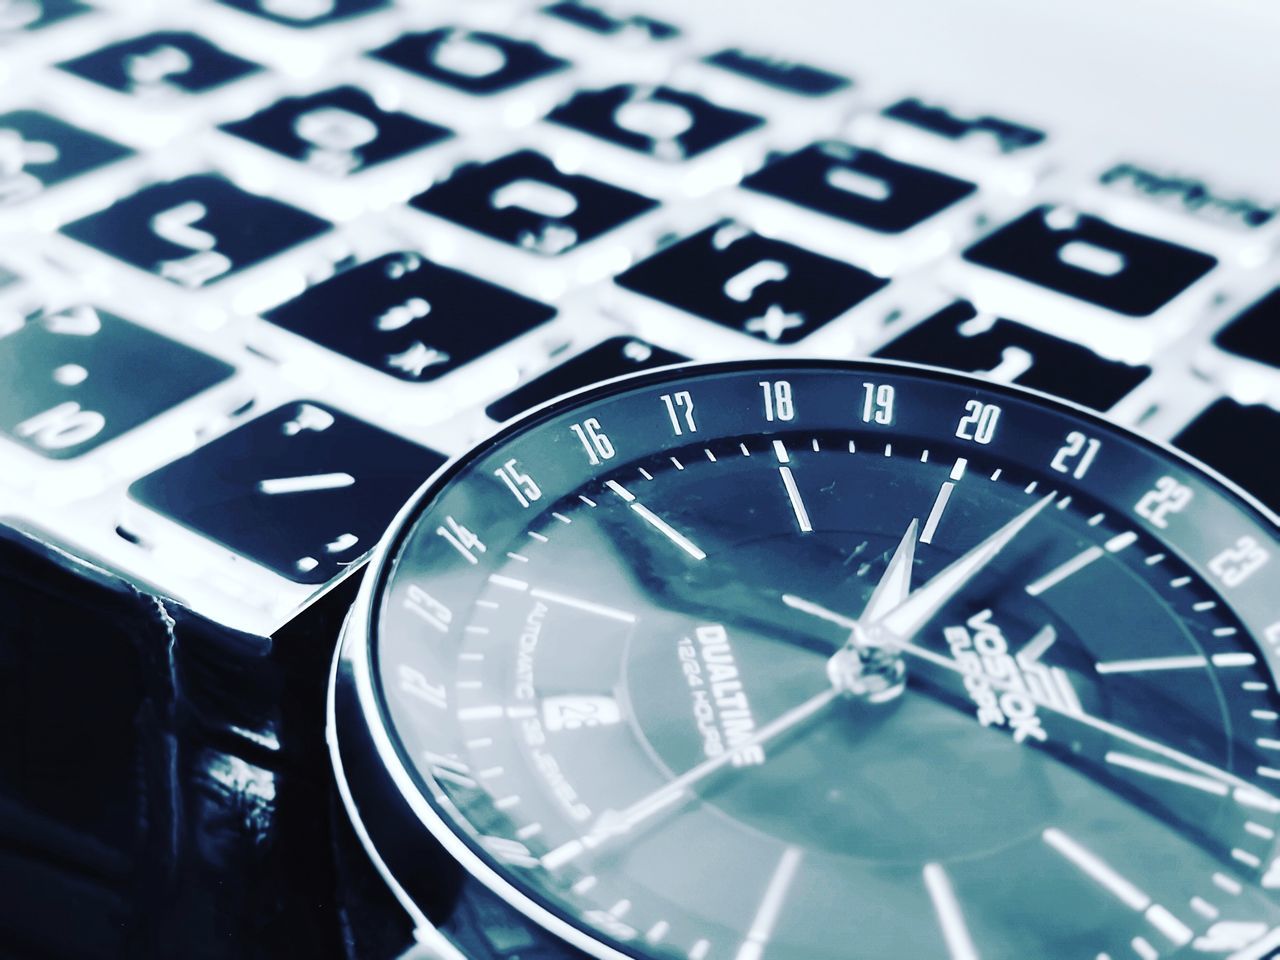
(817, 660)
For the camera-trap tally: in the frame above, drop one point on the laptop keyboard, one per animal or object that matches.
(265, 264)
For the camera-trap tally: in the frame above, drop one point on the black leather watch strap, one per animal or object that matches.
(164, 785)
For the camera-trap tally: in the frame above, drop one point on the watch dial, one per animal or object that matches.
(812, 660)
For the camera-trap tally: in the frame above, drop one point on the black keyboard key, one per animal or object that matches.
(307, 13)
(523, 199)
(473, 62)
(861, 187)
(1239, 442)
(195, 230)
(340, 131)
(38, 151)
(766, 288)
(957, 338)
(785, 75)
(1255, 333)
(608, 24)
(165, 61)
(63, 377)
(36, 14)
(1087, 258)
(658, 121)
(408, 317)
(610, 358)
(1009, 137)
(303, 490)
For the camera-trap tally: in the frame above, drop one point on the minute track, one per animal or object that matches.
(611, 658)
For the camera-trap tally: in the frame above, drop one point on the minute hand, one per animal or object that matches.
(905, 620)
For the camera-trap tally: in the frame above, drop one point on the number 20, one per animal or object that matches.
(979, 423)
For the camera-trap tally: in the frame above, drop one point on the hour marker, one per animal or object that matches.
(590, 607)
(935, 514)
(506, 803)
(318, 481)
(958, 468)
(474, 628)
(789, 483)
(1203, 605)
(587, 500)
(1225, 631)
(1233, 659)
(950, 917)
(710, 456)
(700, 950)
(743, 448)
(853, 447)
(562, 518)
(537, 536)
(797, 505)
(1256, 799)
(1064, 503)
(770, 905)
(1204, 908)
(996, 475)
(1190, 662)
(677, 464)
(1038, 645)
(1080, 561)
(511, 583)
(888, 449)
(655, 521)
(1172, 774)
(585, 884)
(1060, 573)
(1031, 487)
(492, 712)
(924, 456)
(1179, 582)
(517, 556)
(620, 490)
(1098, 869)
(1096, 519)
(646, 474)
(655, 933)
(529, 830)
(1118, 886)
(1152, 560)
(1120, 541)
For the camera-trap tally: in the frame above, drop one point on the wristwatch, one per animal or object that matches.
(775, 659)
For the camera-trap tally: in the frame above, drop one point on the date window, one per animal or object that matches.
(575, 713)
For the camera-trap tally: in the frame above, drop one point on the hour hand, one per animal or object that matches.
(895, 582)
